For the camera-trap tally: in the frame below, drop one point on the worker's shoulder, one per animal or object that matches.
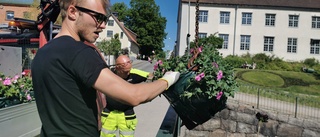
(139, 72)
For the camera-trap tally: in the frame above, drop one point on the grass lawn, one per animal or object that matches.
(305, 86)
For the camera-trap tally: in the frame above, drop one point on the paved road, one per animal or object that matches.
(150, 115)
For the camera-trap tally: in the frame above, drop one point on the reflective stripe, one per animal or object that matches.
(105, 131)
(140, 72)
(127, 133)
(131, 117)
(104, 114)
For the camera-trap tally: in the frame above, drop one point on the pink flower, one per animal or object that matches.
(0, 79)
(215, 64)
(7, 82)
(29, 97)
(220, 75)
(199, 77)
(16, 77)
(23, 73)
(155, 67)
(218, 96)
(191, 50)
(200, 49)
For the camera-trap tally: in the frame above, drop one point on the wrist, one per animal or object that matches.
(167, 83)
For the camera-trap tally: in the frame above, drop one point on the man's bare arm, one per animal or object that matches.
(132, 94)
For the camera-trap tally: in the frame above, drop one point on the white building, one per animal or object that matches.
(288, 29)
(126, 36)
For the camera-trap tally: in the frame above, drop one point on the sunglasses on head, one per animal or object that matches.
(99, 17)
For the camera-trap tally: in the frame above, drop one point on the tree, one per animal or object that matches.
(110, 47)
(121, 9)
(145, 20)
(115, 45)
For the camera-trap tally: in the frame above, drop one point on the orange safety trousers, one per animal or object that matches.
(115, 121)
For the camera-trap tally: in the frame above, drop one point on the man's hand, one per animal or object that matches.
(171, 77)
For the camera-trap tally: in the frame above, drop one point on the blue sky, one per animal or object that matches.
(169, 10)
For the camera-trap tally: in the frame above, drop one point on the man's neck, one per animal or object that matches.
(123, 75)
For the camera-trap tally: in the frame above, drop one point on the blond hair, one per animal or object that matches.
(64, 5)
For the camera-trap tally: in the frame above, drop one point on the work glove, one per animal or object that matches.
(171, 78)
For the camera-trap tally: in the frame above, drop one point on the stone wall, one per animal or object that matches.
(240, 121)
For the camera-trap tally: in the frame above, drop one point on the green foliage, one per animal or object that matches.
(263, 78)
(19, 86)
(311, 62)
(110, 47)
(211, 40)
(272, 62)
(213, 76)
(261, 57)
(145, 20)
(160, 55)
(125, 51)
(234, 61)
(121, 9)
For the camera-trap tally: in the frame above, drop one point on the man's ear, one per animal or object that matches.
(72, 13)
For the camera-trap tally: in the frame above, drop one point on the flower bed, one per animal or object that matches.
(15, 90)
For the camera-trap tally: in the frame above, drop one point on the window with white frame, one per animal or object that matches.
(109, 33)
(315, 47)
(9, 15)
(315, 22)
(202, 35)
(110, 22)
(203, 16)
(246, 18)
(292, 45)
(293, 20)
(225, 38)
(224, 17)
(270, 19)
(268, 44)
(245, 42)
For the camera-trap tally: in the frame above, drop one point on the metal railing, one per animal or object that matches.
(170, 126)
(282, 102)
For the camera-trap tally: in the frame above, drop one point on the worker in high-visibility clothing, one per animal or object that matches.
(117, 116)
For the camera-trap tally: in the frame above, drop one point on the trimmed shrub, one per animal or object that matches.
(311, 62)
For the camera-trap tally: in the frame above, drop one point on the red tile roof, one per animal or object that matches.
(130, 34)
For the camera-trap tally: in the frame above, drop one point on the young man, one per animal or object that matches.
(117, 116)
(67, 74)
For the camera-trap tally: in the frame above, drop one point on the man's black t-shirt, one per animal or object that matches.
(63, 73)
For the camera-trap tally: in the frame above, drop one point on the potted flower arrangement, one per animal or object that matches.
(15, 90)
(205, 83)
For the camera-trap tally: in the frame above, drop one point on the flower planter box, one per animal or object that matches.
(195, 110)
(20, 120)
